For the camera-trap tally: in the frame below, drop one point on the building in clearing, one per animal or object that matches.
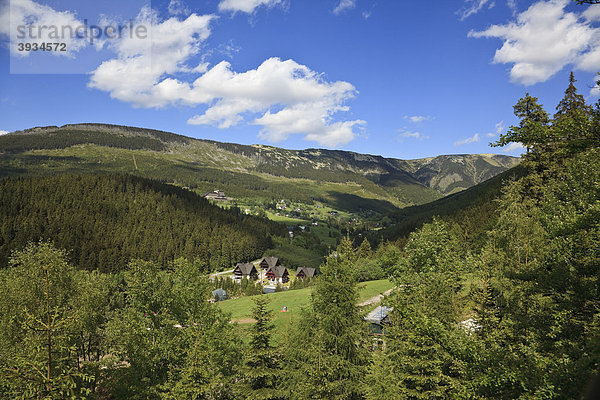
(216, 195)
(378, 319)
(278, 274)
(305, 272)
(268, 262)
(219, 294)
(247, 270)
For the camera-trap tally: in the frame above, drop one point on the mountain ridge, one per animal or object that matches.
(208, 164)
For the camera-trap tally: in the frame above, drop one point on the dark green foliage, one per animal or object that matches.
(571, 103)
(368, 270)
(41, 320)
(260, 374)
(166, 340)
(302, 283)
(60, 139)
(532, 127)
(539, 299)
(326, 354)
(106, 220)
(425, 355)
(301, 252)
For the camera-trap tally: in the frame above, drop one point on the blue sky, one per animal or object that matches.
(398, 78)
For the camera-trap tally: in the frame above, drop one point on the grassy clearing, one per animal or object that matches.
(294, 300)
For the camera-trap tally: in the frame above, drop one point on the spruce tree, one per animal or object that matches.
(533, 127)
(364, 250)
(572, 102)
(326, 354)
(572, 126)
(260, 374)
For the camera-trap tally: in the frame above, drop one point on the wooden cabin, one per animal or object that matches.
(247, 270)
(278, 274)
(268, 262)
(305, 272)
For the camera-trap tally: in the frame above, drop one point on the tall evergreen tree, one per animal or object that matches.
(572, 102)
(260, 373)
(423, 353)
(533, 126)
(326, 355)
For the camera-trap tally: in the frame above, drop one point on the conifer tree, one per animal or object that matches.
(423, 356)
(364, 250)
(572, 102)
(572, 120)
(326, 355)
(533, 127)
(36, 347)
(260, 373)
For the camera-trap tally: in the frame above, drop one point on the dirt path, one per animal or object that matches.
(244, 320)
(212, 276)
(375, 299)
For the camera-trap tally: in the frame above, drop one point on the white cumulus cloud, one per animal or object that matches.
(282, 97)
(592, 14)
(137, 75)
(513, 147)
(3, 132)
(473, 139)
(178, 7)
(247, 6)
(291, 98)
(512, 5)
(500, 127)
(544, 39)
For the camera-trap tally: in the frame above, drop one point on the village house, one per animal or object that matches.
(247, 270)
(378, 319)
(216, 195)
(278, 274)
(219, 295)
(305, 272)
(268, 262)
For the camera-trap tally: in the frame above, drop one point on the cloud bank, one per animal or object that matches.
(544, 39)
(282, 97)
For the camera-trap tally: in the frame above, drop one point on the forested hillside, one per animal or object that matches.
(473, 209)
(106, 220)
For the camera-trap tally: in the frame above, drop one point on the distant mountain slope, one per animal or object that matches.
(344, 180)
(473, 209)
